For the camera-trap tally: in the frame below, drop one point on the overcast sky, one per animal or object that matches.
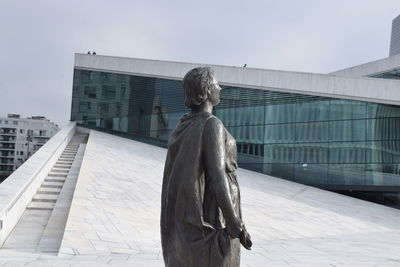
(38, 39)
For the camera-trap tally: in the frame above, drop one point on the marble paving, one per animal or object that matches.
(114, 217)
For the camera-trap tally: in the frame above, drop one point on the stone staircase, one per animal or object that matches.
(48, 193)
(41, 227)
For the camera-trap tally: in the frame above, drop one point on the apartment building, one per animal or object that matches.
(20, 138)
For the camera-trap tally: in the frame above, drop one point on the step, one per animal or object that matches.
(45, 198)
(40, 206)
(60, 170)
(68, 154)
(49, 190)
(66, 157)
(54, 179)
(52, 184)
(64, 174)
(62, 166)
(64, 161)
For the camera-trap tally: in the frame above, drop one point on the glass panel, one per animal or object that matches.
(253, 167)
(230, 97)
(353, 130)
(284, 171)
(282, 113)
(250, 134)
(312, 132)
(349, 152)
(383, 152)
(250, 115)
(347, 109)
(249, 157)
(382, 111)
(311, 153)
(394, 74)
(311, 173)
(279, 133)
(346, 174)
(279, 153)
(227, 116)
(383, 129)
(312, 110)
(383, 174)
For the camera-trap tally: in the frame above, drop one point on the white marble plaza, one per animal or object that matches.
(114, 217)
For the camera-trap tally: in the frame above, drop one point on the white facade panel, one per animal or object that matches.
(363, 89)
(370, 68)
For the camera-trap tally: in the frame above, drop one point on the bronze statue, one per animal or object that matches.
(201, 221)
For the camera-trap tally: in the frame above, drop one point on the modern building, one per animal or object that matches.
(335, 131)
(395, 39)
(20, 138)
(89, 197)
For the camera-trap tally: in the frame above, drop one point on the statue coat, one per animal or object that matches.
(200, 207)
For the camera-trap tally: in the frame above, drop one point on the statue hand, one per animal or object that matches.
(245, 239)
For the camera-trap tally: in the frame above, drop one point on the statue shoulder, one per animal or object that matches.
(214, 128)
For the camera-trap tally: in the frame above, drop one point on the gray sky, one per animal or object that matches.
(38, 39)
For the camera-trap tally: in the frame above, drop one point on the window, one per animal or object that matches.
(102, 107)
(122, 94)
(105, 76)
(84, 106)
(90, 91)
(108, 92)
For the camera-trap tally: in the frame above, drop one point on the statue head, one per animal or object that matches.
(200, 85)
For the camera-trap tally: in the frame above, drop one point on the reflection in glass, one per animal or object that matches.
(311, 173)
(306, 153)
(341, 109)
(349, 130)
(279, 113)
(279, 133)
(375, 110)
(279, 153)
(383, 129)
(383, 152)
(347, 152)
(312, 132)
(303, 138)
(249, 115)
(383, 174)
(316, 109)
(346, 174)
(284, 170)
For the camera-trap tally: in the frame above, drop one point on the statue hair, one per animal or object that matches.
(196, 83)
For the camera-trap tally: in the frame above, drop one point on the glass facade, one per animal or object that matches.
(394, 74)
(307, 139)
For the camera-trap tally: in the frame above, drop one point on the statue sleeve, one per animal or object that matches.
(214, 166)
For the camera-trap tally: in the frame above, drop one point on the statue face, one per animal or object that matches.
(214, 93)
